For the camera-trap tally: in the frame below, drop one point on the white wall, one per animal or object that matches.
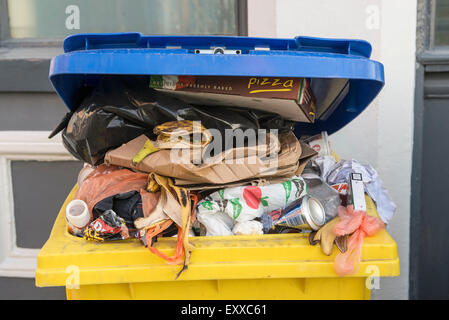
(383, 134)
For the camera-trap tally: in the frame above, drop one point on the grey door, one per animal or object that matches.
(429, 253)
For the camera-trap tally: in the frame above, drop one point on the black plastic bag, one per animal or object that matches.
(121, 108)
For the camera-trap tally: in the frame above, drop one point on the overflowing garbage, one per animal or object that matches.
(166, 157)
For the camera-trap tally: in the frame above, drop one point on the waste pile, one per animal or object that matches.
(166, 157)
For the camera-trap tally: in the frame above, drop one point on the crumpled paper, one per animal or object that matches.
(333, 173)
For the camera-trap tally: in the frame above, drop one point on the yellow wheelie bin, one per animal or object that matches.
(257, 267)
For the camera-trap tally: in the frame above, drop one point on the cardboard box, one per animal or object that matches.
(292, 98)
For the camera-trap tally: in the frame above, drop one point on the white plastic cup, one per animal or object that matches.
(77, 215)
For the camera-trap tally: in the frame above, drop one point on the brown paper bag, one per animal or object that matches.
(290, 160)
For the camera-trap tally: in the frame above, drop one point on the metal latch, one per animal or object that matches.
(217, 50)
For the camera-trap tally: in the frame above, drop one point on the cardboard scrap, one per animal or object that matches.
(290, 160)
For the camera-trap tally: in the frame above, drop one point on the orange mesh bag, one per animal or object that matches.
(154, 231)
(360, 225)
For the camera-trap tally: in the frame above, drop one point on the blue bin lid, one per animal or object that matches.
(87, 57)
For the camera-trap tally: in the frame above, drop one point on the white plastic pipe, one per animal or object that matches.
(77, 215)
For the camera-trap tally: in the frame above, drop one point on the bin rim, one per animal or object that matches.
(267, 256)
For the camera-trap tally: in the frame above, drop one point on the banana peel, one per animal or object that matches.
(182, 196)
(148, 148)
(184, 199)
(181, 133)
(326, 237)
(166, 134)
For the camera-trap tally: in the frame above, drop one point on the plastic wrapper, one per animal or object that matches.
(245, 203)
(221, 224)
(359, 225)
(322, 166)
(120, 109)
(252, 227)
(270, 220)
(342, 189)
(320, 143)
(216, 224)
(108, 226)
(339, 173)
